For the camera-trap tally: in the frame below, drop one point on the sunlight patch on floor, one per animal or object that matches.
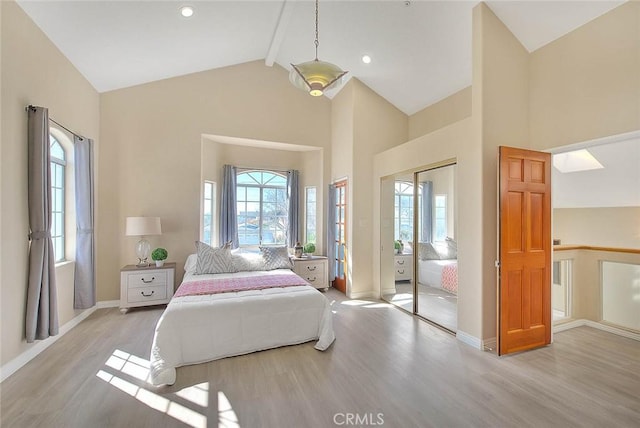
(138, 368)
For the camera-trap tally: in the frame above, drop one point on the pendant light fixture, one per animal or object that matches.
(315, 76)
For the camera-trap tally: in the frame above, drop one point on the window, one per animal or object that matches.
(208, 208)
(310, 212)
(262, 208)
(404, 210)
(58, 164)
(440, 224)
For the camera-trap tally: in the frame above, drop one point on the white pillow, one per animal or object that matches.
(276, 258)
(213, 260)
(246, 262)
(190, 264)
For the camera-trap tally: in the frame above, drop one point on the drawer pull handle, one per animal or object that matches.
(312, 280)
(147, 295)
(401, 271)
(148, 282)
(311, 268)
(400, 262)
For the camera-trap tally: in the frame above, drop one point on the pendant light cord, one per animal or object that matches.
(316, 41)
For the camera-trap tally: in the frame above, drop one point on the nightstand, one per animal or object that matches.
(146, 286)
(313, 269)
(403, 266)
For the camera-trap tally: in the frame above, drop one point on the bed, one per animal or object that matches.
(439, 274)
(438, 265)
(207, 326)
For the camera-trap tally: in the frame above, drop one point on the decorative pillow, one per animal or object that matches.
(445, 251)
(276, 258)
(427, 252)
(246, 262)
(213, 260)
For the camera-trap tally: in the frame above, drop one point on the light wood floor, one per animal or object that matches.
(384, 361)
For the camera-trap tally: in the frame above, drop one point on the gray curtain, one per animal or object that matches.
(85, 284)
(42, 308)
(331, 232)
(293, 194)
(228, 207)
(426, 232)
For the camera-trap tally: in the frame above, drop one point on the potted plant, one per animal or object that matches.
(159, 255)
(397, 247)
(309, 248)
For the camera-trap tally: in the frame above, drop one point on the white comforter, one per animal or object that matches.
(196, 329)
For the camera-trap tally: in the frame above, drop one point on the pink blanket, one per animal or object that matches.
(228, 285)
(450, 278)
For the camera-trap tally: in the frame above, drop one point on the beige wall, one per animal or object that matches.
(500, 83)
(378, 126)
(586, 85)
(448, 144)
(617, 227)
(71, 101)
(445, 112)
(152, 136)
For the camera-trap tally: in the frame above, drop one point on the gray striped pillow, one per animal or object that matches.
(213, 260)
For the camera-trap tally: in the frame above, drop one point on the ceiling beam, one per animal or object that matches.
(281, 29)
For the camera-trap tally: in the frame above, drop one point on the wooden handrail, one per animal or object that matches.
(593, 248)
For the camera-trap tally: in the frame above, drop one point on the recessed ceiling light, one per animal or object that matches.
(186, 11)
(578, 160)
(366, 59)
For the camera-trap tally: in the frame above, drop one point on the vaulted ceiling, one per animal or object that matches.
(420, 50)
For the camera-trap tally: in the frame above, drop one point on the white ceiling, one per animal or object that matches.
(421, 52)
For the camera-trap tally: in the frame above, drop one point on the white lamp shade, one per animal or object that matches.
(143, 226)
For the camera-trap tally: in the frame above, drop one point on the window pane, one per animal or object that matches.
(56, 149)
(253, 194)
(241, 193)
(207, 190)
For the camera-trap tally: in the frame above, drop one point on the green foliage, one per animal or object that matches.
(159, 254)
(309, 248)
(397, 245)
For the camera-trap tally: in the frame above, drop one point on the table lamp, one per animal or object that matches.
(143, 226)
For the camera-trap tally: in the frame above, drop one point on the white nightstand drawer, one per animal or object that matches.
(312, 268)
(149, 293)
(318, 279)
(147, 279)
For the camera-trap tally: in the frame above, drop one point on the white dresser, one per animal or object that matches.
(145, 286)
(313, 269)
(403, 266)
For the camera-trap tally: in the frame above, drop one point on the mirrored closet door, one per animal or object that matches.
(419, 266)
(437, 249)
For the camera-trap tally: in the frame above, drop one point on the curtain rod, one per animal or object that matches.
(54, 121)
(284, 171)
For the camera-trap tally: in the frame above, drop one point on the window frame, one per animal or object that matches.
(58, 167)
(406, 194)
(443, 219)
(261, 186)
(211, 202)
(308, 216)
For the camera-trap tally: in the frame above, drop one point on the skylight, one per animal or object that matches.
(577, 160)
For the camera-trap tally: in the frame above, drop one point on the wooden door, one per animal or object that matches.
(340, 282)
(524, 295)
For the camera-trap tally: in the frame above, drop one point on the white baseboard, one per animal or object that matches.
(14, 365)
(389, 291)
(608, 328)
(362, 295)
(469, 339)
